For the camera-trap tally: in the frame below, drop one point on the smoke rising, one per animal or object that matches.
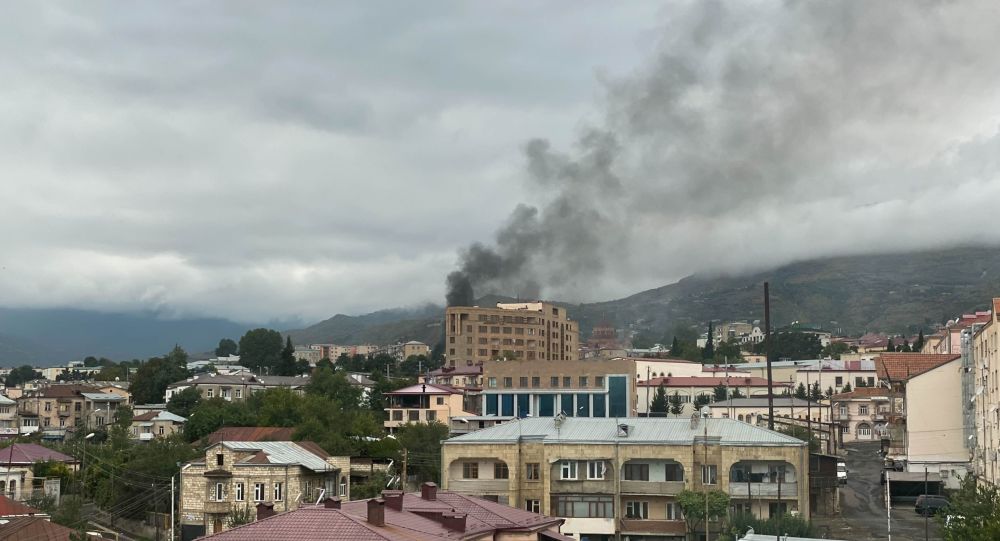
(753, 136)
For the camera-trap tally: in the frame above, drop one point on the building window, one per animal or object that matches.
(431, 416)
(413, 415)
(533, 471)
(674, 511)
(862, 410)
(533, 506)
(440, 400)
(343, 486)
(871, 381)
(595, 469)
(636, 472)
(219, 496)
(470, 470)
(500, 470)
(258, 492)
(239, 393)
(599, 381)
(839, 381)
(397, 415)
(583, 506)
(843, 410)
(639, 510)
(523, 381)
(567, 470)
(508, 382)
(161, 430)
(583, 382)
(491, 382)
(858, 381)
(864, 430)
(219, 460)
(709, 474)
(567, 382)
(239, 492)
(210, 392)
(277, 491)
(536, 381)
(845, 429)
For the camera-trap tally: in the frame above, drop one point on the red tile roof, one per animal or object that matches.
(10, 508)
(251, 433)
(34, 529)
(710, 381)
(29, 453)
(898, 367)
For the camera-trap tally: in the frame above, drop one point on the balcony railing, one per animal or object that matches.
(765, 490)
(640, 526)
(479, 486)
(652, 487)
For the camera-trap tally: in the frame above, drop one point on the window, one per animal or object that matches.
(636, 472)
(413, 415)
(533, 471)
(595, 469)
(845, 429)
(567, 382)
(864, 430)
(583, 506)
(48, 406)
(523, 381)
(709, 474)
(161, 430)
(219, 459)
(210, 392)
(239, 393)
(258, 492)
(239, 492)
(277, 491)
(470, 470)
(777, 509)
(554, 381)
(637, 510)
(843, 410)
(440, 400)
(567, 470)
(397, 415)
(599, 381)
(862, 410)
(583, 382)
(491, 382)
(674, 511)
(871, 381)
(508, 382)
(431, 415)
(674, 472)
(500, 470)
(343, 486)
(219, 493)
(858, 381)
(533, 506)
(536, 381)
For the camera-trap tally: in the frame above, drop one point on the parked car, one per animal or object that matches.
(842, 472)
(929, 504)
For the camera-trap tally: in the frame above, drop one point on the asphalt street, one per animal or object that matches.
(862, 505)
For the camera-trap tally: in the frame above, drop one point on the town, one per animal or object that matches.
(515, 409)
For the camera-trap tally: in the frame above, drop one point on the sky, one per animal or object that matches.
(279, 160)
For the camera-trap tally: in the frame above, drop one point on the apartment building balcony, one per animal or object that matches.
(653, 527)
(400, 416)
(763, 490)
(664, 488)
(479, 486)
(582, 487)
(217, 507)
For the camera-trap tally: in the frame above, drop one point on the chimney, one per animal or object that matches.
(376, 512)
(429, 491)
(265, 510)
(453, 521)
(332, 503)
(393, 499)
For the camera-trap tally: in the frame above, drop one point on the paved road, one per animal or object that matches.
(862, 504)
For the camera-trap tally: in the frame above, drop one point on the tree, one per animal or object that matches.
(240, 515)
(918, 346)
(184, 402)
(214, 413)
(695, 511)
(802, 433)
(905, 348)
(778, 526)
(815, 394)
(260, 349)
(792, 345)
(658, 407)
(889, 346)
(728, 352)
(846, 389)
(975, 512)
(423, 445)
(151, 380)
(335, 386)
(736, 393)
(286, 363)
(702, 400)
(226, 348)
(676, 406)
(829, 391)
(20, 375)
(709, 351)
(675, 348)
(800, 391)
(834, 350)
(720, 392)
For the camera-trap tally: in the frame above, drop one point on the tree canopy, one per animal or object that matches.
(226, 347)
(20, 375)
(260, 349)
(151, 380)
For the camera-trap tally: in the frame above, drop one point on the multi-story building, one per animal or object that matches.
(8, 418)
(403, 351)
(333, 351)
(467, 378)
(985, 345)
(58, 409)
(927, 413)
(156, 424)
(529, 331)
(622, 476)
(577, 388)
(951, 335)
(834, 374)
(425, 403)
(862, 414)
(307, 354)
(234, 387)
(689, 388)
(754, 410)
(240, 474)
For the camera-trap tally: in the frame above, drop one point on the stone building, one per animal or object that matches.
(985, 345)
(234, 387)
(862, 414)
(156, 424)
(529, 331)
(236, 475)
(621, 476)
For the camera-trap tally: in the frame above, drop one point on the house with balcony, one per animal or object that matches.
(8, 418)
(610, 477)
(234, 387)
(59, 409)
(862, 414)
(425, 403)
(283, 475)
(156, 424)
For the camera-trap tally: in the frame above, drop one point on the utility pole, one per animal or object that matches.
(705, 472)
(403, 482)
(173, 503)
(927, 513)
(767, 355)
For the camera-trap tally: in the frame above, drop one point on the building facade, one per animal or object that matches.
(235, 387)
(986, 355)
(608, 477)
(529, 331)
(156, 425)
(862, 414)
(689, 388)
(241, 474)
(424, 403)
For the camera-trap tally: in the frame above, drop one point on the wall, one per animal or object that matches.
(934, 419)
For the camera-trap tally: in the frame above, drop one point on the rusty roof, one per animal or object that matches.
(250, 433)
(898, 367)
(29, 453)
(9, 508)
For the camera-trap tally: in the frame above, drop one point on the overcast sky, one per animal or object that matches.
(292, 159)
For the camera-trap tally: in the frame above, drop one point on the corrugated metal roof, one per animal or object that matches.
(282, 452)
(109, 397)
(757, 402)
(642, 430)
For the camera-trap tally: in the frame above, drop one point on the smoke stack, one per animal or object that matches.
(376, 512)
(332, 503)
(393, 499)
(265, 510)
(453, 521)
(428, 491)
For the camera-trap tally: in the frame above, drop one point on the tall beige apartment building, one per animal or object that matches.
(518, 331)
(986, 356)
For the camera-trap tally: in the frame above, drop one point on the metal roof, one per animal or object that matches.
(109, 397)
(282, 452)
(641, 430)
(759, 402)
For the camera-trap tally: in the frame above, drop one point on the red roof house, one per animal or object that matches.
(26, 454)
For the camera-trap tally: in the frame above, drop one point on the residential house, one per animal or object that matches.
(16, 467)
(985, 345)
(240, 474)
(754, 410)
(424, 403)
(34, 528)
(526, 331)
(61, 408)
(10, 509)
(156, 424)
(8, 418)
(836, 374)
(234, 387)
(466, 378)
(689, 388)
(862, 414)
(610, 477)
(432, 515)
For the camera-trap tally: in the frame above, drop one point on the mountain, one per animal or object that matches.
(887, 292)
(47, 336)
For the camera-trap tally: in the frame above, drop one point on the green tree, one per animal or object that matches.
(702, 400)
(905, 348)
(423, 446)
(918, 346)
(240, 515)
(720, 392)
(846, 389)
(286, 362)
(695, 510)
(658, 407)
(975, 512)
(20, 375)
(150, 383)
(214, 413)
(736, 393)
(802, 433)
(783, 525)
(728, 352)
(709, 352)
(226, 348)
(676, 406)
(792, 345)
(834, 350)
(829, 391)
(889, 346)
(184, 402)
(815, 394)
(800, 391)
(335, 386)
(675, 348)
(260, 349)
